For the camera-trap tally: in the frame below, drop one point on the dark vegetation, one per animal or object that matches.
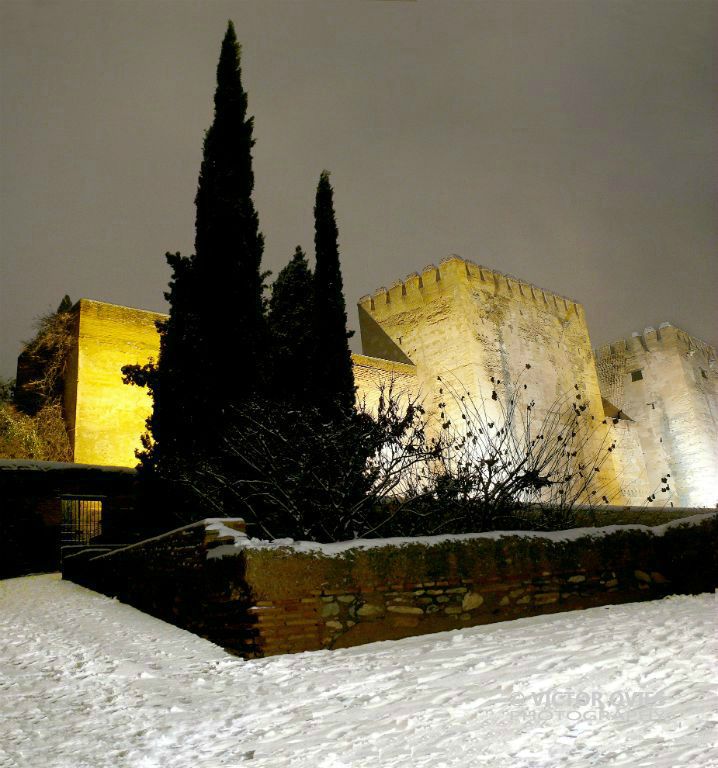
(228, 356)
(32, 424)
(254, 399)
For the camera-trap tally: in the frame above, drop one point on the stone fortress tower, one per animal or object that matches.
(468, 323)
(667, 381)
(465, 323)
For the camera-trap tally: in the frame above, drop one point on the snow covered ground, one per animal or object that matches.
(86, 682)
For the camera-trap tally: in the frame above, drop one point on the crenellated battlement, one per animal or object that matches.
(454, 270)
(651, 339)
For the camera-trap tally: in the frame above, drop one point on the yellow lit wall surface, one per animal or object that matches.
(106, 416)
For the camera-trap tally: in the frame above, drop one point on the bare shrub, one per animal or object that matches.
(498, 463)
(43, 360)
(42, 436)
(32, 424)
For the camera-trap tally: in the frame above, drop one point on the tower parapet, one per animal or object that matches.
(452, 270)
(655, 339)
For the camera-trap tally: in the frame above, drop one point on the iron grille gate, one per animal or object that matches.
(81, 518)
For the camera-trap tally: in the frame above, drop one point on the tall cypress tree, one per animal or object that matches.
(290, 325)
(210, 351)
(228, 249)
(175, 428)
(211, 345)
(333, 376)
(176, 383)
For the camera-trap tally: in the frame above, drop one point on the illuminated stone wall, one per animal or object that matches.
(105, 416)
(467, 323)
(667, 382)
(373, 376)
(630, 465)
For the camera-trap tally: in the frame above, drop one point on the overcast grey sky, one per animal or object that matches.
(572, 144)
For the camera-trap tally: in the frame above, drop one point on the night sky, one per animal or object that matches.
(572, 144)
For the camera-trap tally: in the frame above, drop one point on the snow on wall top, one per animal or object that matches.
(243, 542)
(33, 465)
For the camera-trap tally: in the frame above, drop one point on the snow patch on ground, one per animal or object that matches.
(87, 682)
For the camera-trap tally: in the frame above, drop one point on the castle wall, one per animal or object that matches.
(106, 416)
(374, 376)
(667, 382)
(467, 323)
(630, 464)
(264, 598)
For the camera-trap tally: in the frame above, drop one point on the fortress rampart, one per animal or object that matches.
(465, 323)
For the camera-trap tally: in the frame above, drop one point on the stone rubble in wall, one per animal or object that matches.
(407, 607)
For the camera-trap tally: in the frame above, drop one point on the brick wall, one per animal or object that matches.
(261, 598)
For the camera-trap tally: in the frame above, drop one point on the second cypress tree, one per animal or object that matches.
(290, 326)
(333, 380)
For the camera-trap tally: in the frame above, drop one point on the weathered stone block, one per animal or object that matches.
(329, 609)
(405, 609)
(546, 597)
(471, 601)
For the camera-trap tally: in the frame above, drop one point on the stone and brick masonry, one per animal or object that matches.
(263, 598)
